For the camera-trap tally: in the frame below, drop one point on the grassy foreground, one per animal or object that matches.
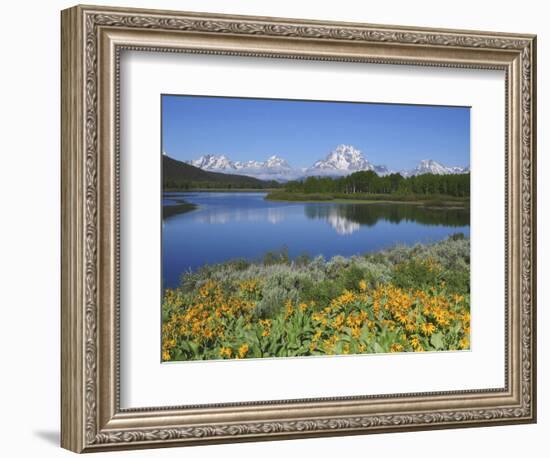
(398, 300)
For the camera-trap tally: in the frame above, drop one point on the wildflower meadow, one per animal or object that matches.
(404, 299)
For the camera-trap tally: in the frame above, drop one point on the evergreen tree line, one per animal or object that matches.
(368, 182)
(183, 184)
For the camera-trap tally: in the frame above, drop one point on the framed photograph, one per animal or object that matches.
(278, 228)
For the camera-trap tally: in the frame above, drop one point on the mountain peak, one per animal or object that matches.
(341, 160)
(276, 161)
(213, 162)
(428, 162)
(435, 168)
(347, 151)
(343, 148)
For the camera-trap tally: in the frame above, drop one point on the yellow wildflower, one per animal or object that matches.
(243, 350)
(266, 324)
(338, 321)
(226, 352)
(395, 348)
(427, 328)
(345, 298)
(248, 286)
(289, 309)
(415, 342)
(317, 316)
(317, 335)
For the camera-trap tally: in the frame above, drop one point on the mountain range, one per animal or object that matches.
(177, 174)
(343, 160)
(274, 168)
(434, 167)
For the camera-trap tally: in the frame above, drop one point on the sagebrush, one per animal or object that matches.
(401, 299)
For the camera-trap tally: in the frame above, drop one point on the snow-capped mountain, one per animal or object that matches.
(434, 167)
(276, 162)
(274, 168)
(343, 160)
(214, 163)
(382, 170)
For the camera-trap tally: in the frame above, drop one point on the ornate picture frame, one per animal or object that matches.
(93, 39)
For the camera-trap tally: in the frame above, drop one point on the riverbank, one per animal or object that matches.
(357, 198)
(401, 299)
(168, 190)
(181, 206)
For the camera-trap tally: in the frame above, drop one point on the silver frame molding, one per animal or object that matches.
(92, 40)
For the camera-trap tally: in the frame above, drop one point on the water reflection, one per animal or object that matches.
(348, 218)
(345, 219)
(211, 227)
(239, 215)
(339, 222)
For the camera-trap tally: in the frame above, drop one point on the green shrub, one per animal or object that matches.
(457, 236)
(415, 274)
(276, 257)
(319, 280)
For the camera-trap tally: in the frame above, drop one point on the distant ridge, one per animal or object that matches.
(273, 168)
(178, 174)
(435, 168)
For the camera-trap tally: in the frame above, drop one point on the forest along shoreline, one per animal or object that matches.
(368, 187)
(358, 187)
(435, 201)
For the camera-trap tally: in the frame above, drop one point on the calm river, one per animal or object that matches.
(229, 225)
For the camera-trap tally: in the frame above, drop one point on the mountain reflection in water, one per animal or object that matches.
(211, 227)
(348, 218)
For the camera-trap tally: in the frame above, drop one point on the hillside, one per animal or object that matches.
(180, 175)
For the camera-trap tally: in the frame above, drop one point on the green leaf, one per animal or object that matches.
(437, 341)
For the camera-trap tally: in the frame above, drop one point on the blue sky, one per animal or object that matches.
(302, 132)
